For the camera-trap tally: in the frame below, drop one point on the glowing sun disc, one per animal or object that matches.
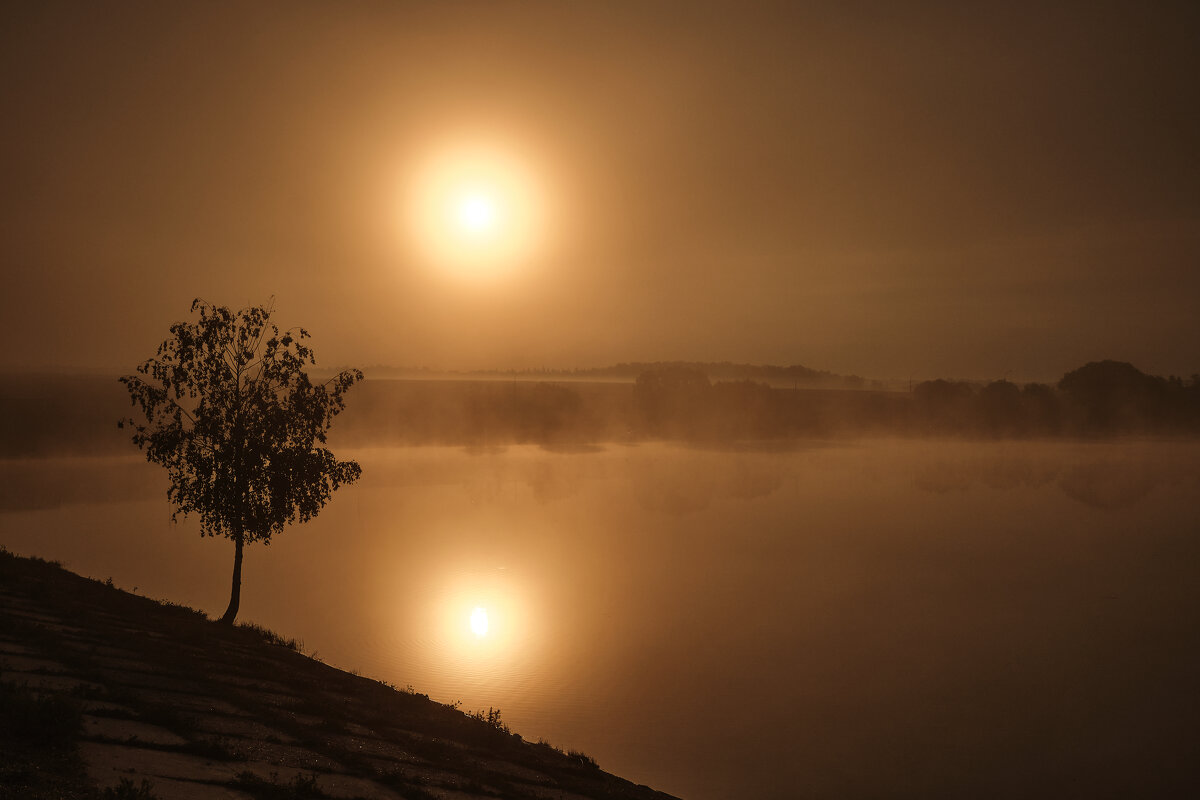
(477, 213)
(474, 210)
(479, 622)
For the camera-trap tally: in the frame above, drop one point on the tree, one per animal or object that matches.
(232, 415)
(1114, 396)
(1001, 411)
(671, 400)
(944, 405)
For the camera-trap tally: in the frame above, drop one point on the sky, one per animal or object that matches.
(887, 189)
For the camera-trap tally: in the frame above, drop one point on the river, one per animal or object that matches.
(848, 619)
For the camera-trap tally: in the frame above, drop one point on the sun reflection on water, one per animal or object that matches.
(480, 628)
(479, 621)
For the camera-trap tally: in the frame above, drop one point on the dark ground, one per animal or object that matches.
(104, 694)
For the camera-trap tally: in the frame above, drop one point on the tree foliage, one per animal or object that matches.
(232, 415)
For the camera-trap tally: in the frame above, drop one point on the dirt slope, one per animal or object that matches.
(107, 694)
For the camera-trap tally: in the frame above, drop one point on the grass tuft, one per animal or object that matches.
(491, 717)
(128, 790)
(301, 787)
(271, 637)
(583, 758)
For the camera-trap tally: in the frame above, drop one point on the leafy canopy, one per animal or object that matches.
(233, 417)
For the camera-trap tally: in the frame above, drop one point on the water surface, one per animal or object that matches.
(890, 617)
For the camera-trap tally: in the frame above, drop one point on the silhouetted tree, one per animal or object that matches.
(1001, 409)
(1112, 396)
(673, 400)
(944, 405)
(1041, 408)
(744, 408)
(233, 417)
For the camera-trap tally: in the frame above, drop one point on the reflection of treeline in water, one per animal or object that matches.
(676, 401)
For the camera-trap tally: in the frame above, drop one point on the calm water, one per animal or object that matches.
(828, 620)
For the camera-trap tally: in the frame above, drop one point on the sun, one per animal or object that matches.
(476, 211)
(479, 621)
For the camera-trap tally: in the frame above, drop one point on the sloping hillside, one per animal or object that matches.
(104, 694)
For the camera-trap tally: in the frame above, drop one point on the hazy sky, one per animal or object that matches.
(889, 189)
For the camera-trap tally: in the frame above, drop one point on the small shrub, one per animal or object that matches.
(583, 758)
(490, 717)
(271, 637)
(182, 608)
(578, 756)
(301, 787)
(128, 790)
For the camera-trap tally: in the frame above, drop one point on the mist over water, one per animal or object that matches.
(899, 617)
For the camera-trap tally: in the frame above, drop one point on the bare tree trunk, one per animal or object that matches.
(235, 596)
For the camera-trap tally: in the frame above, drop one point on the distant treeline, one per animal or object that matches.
(794, 375)
(62, 415)
(678, 401)
(77, 415)
(1100, 398)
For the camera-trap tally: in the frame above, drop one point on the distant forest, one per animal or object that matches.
(794, 375)
(77, 415)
